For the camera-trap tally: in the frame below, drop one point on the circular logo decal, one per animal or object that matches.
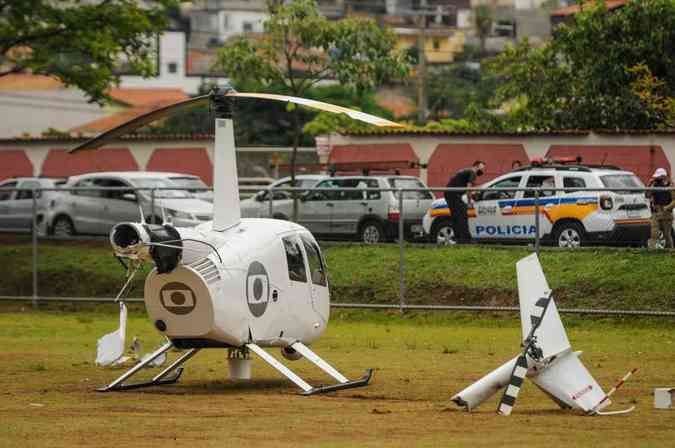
(177, 298)
(257, 289)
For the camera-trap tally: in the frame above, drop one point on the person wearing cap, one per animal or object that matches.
(662, 209)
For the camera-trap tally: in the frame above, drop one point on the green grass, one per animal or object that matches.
(595, 278)
(420, 360)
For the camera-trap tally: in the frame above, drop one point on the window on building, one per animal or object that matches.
(295, 260)
(225, 19)
(437, 44)
(173, 67)
(247, 27)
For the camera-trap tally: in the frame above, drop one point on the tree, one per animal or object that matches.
(483, 18)
(300, 48)
(586, 76)
(80, 43)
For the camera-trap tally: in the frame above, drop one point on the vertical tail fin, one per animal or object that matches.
(532, 286)
(226, 209)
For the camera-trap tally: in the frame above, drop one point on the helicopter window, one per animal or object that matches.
(316, 267)
(296, 262)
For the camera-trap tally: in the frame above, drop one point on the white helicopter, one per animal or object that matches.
(240, 284)
(547, 357)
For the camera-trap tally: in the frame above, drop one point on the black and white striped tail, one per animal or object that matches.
(520, 369)
(513, 389)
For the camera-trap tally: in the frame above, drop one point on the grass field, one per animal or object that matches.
(595, 278)
(420, 360)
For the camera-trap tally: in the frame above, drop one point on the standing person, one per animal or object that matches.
(662, 209)
(465, 178)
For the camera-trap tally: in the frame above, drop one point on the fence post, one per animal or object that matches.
(270, 194)
(34, 244)
(401, 240)
(536, 222)
(152, 206)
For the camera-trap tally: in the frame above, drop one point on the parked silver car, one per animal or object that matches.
(258, 205)
(16, 207)
(96, 211)
(193, 184)
(369, 216)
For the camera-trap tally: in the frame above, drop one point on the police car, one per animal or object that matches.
(566, 218)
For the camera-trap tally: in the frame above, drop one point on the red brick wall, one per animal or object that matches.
(447, 159)
(15, 163)
(642, 160)
(182, 160)
(374, 153)
(60, 163)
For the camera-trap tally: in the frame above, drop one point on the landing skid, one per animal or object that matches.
(307, 389)
(160, 379)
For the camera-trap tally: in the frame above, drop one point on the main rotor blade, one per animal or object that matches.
(326, 107)
(132, 125)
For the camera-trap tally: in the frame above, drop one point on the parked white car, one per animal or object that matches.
(16, 207)
(96, 211)
(191, 183)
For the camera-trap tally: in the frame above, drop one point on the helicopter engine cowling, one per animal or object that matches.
(290, 353)
(138, 241)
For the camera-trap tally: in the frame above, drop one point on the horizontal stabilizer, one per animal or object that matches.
(532, 287)
(570, 383)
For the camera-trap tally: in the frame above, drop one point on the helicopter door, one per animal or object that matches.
(318, 285)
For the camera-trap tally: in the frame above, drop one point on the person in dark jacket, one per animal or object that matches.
(464, 178)
(662, 209)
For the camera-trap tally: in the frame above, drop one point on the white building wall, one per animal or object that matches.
(172, 55)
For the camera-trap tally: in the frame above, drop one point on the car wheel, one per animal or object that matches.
(661, 240)
(63, 227)
(442, 234)
(372, 233)
(570, 234)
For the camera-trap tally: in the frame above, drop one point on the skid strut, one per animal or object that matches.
(159, 379)
(307, 389)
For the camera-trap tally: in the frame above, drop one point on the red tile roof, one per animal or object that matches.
(26, 81)
(143, 97)
(573, 9)
(114, 120)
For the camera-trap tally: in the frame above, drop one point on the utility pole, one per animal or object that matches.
(421, 68)
(420, 16)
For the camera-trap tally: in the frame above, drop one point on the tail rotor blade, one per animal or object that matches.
(520, 369)
(508, 400)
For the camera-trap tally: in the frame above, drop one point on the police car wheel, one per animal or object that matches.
(372, 233)
(443, 234)
(570, 235)
(661, 240)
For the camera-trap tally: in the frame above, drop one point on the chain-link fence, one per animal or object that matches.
(526, 219)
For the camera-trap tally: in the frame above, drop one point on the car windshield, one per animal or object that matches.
(155, 182)
(193, 184)
(621, 181)
(398, 182)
